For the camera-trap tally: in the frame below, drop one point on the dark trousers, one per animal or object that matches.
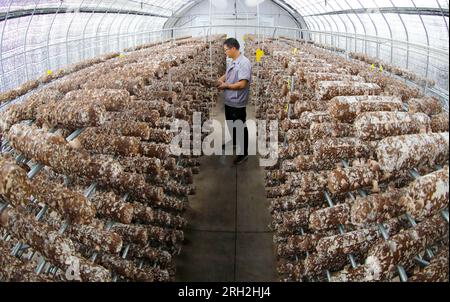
(234, 114)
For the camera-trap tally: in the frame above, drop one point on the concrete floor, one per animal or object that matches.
(228, 237)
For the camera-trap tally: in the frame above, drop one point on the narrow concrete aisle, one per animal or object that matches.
(228, 237)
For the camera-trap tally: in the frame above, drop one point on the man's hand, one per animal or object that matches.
(220, 82)
(221, 85)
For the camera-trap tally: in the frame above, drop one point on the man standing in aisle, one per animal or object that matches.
(236, 86)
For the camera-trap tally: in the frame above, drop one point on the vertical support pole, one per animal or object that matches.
(1, 44)
(390, 34)
(428, 48)
(109, 29)
(84, 29)
(257, 13)
(68, 30)
(119, 31)
(364, 45)
(406, 33)
(375, 28)
(25, 41)
(98, 44)
(446, 25)
(48, 36)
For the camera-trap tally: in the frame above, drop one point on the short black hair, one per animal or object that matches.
(232, 42)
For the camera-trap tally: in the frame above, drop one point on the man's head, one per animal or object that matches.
(231, 47)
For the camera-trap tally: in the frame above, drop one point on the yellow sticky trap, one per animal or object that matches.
(121, 55)
(373, 66)
(49, 72)
(287, 108)
(244, 38)
(381, 68)
(294, 51)
(259, 54)
(289, 83)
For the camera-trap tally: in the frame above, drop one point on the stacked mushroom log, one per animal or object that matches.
(30, 85)
(108, 197)
(344, 202)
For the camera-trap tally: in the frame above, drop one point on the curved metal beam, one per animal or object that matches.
(443, 16)
(329, 24)
(85, 26)
(67, 34)
(315, 21)
(374, 27)
(363, 26)
(146, 3)
(324, 27)
(390, 31)
(1, 42)
(138, 22)
(331, 28)
(48, 38)
(406, 33)
(298, 18)
(25, 42)
(120, 31)
(337, 28)
(345, 27)
(178, 14)
(431, 11)
(446, 25)
(63, 10)
(331, 37)
(428, 44)
(113, 21)
(99, 24)
(353, 24)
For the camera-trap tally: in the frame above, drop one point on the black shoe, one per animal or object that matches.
(240, 159)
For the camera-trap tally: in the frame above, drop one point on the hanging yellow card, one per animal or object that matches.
(259, 54)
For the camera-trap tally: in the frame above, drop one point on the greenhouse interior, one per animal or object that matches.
(224, 141)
